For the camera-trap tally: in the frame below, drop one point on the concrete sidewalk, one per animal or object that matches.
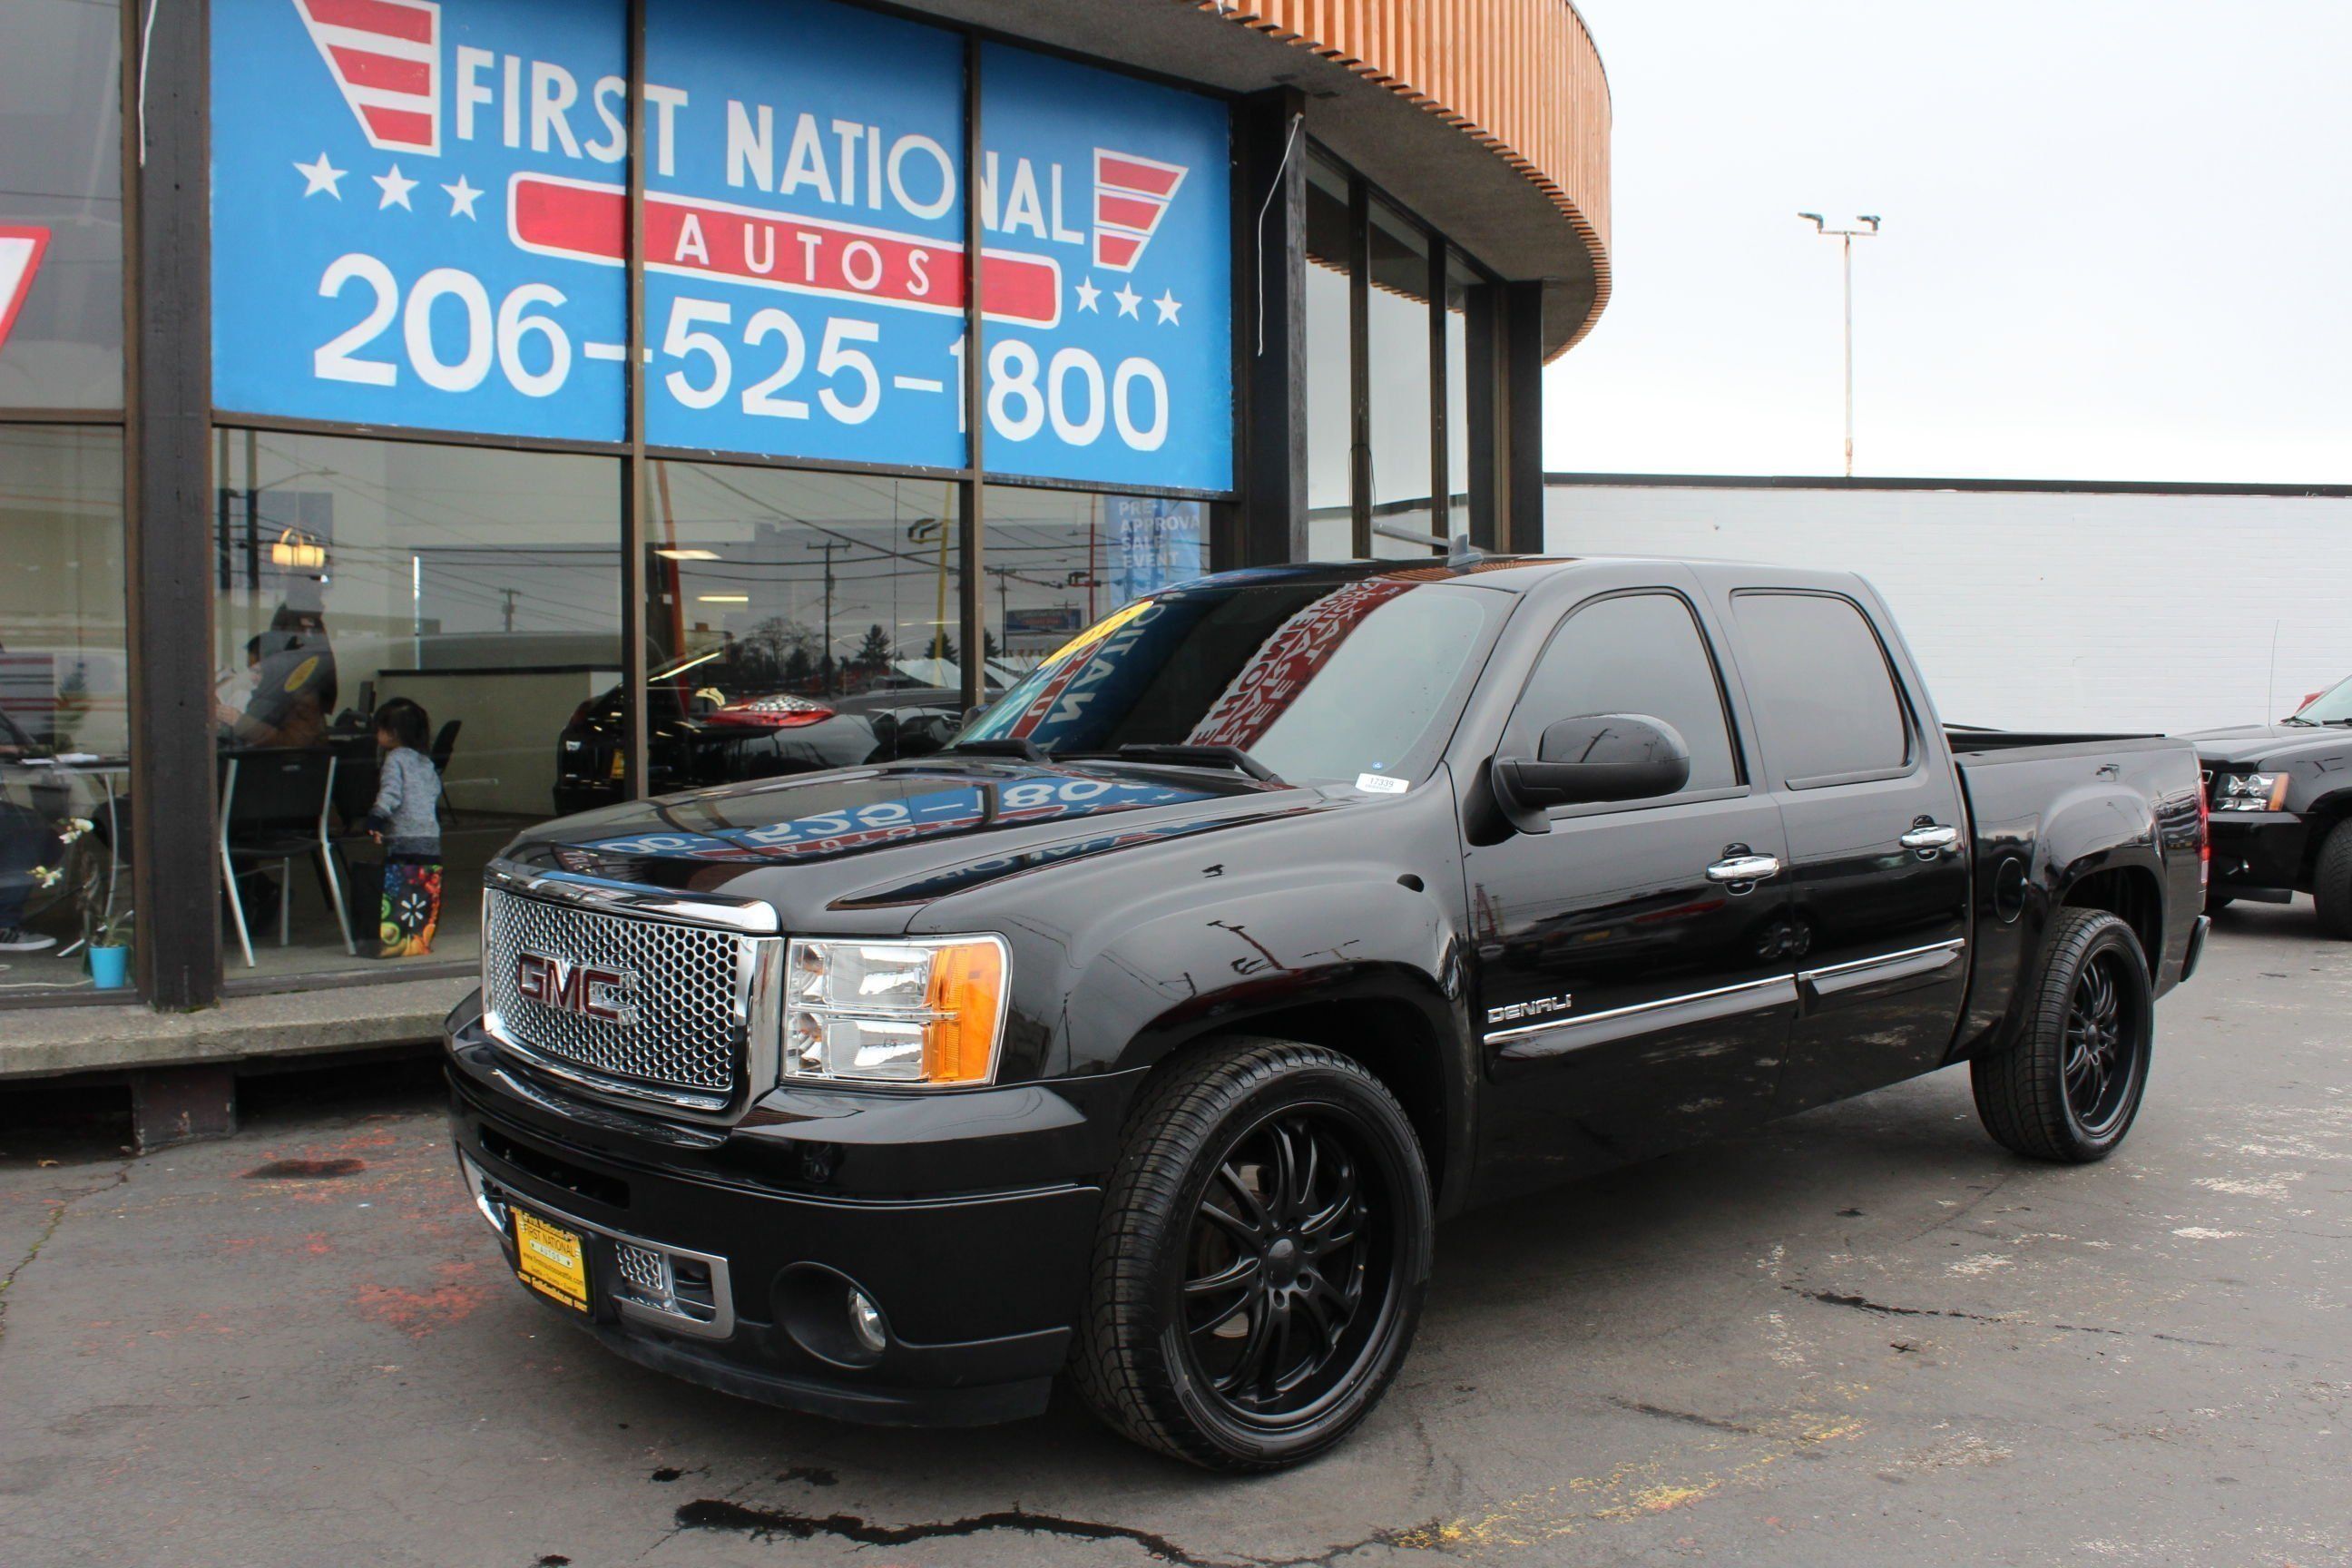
(181, 1067)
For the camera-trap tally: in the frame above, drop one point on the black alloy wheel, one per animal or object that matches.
(2068, 1088)
(1289, 1243)
(1262, 1257)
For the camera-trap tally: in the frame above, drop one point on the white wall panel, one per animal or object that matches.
(2030, 610)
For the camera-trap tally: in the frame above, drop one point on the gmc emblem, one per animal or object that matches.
(581, 989)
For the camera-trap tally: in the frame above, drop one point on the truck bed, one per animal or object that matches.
(1967, 740)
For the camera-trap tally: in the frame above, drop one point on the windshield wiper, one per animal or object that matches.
(2292, 718)
(1200, 757)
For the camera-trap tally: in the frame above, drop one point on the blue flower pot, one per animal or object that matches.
(110, 967)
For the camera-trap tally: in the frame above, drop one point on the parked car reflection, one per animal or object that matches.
(716, 718)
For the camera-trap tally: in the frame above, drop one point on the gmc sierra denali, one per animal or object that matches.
(1144, 1033)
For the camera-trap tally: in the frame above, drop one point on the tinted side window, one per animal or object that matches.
(1639, 654)
(1819, 679)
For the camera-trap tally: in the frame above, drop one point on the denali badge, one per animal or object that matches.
(583, 989)
(1543, 1006)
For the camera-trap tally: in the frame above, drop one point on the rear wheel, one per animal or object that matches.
(2331, 883)
(2070, 1086)
(1264, 1251)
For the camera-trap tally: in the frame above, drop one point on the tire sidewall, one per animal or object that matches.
(2111, 936)
(1381, 1126)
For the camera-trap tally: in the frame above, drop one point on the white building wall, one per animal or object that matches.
(2030, 610)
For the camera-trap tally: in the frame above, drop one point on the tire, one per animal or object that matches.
(2070, 1086)
(2331, 882)
(1262, 1257)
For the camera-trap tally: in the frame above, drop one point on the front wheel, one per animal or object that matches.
(1262, 1254)
(2069, 1086)
(2331, 884)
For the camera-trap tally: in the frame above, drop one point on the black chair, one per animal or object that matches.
(445, 746)
(275, 806)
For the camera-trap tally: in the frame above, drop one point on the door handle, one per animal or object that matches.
(1929, 837)
(1744, 868)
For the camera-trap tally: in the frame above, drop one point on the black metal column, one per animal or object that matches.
(636, 476)
(1270, 325)
(1483, 406)
(175, 878)
(971, 601)
(1360, 369)
(1523, 343)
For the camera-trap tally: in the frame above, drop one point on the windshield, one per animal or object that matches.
(2333, 706)
(1317, 681)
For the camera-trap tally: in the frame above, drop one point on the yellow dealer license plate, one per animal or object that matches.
(552, 1260)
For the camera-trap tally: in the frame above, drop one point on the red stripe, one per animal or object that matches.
(388, 71)
(379, 16)
(1131, 212)
(1112, 169)
(401, 127)
(1117, 250)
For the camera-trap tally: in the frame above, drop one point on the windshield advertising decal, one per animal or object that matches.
(421, 219)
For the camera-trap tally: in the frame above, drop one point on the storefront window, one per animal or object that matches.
(1057, 561)
(60, 204)
(64, 727)
(1459, 281)
(1329, 399)
(1401, 386)
(798, 621)
(468, 597)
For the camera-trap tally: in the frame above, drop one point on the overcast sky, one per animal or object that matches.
(2117, 245)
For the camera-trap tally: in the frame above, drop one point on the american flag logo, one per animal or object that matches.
(20, 258)
(386, 57)
(1131, 195)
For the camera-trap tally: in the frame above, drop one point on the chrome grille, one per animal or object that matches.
(646, 1271)
(685, 1021)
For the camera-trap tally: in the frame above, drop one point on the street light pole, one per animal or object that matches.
(1847, 238)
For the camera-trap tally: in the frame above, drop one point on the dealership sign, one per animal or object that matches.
(21, 248)
(421, 219)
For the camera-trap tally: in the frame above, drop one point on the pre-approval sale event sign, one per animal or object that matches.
(420, 213)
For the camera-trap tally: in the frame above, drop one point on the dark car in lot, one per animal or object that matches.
(709, 719)
(2281, 798)
(1145, 1031)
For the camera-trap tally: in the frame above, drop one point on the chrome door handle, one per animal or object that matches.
(1744, 868)
(1935, 835)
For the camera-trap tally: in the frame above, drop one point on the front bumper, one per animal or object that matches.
(979, 1290)
(2256, 851)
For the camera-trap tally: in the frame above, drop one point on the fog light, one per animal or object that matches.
(866, 1322)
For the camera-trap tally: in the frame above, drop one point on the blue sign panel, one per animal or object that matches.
(367, 158)
(1123, 186)
(805, 289)
(420, 218)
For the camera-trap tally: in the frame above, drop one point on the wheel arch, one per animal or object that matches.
(2133, 893)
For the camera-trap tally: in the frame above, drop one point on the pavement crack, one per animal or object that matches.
(774, 1523)
(58, 1208)
(1690, 1416)
(1884, 1309)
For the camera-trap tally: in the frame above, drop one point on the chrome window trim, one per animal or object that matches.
(721, 1324)
(745, 917)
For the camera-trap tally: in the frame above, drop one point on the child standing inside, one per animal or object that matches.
(407, 821)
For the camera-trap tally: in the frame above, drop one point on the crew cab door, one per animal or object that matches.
(1878, 851)
(1631, 1000)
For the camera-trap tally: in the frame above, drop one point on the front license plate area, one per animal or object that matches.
(551, 1259)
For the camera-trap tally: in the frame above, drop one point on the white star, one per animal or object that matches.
(1089, 294)
(1127, 300)
(321, 176)
(1166, 305)
(462, 197)
(395, 186)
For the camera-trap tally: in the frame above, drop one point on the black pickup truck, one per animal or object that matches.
(2282, 799)
(1145, 1033)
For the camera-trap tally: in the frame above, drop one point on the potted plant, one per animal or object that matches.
(109, 948)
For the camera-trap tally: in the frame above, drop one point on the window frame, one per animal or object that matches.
(1744, 782)
(1914, 749)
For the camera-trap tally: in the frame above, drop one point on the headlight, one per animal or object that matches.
(925, 1010)
(2251, 791)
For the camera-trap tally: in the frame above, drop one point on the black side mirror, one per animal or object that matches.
(1596, 757)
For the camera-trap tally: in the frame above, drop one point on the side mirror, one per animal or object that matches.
(1596, 757)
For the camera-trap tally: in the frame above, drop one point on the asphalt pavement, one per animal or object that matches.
(1866, 1335)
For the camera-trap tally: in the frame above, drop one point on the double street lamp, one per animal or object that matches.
(1846, 237)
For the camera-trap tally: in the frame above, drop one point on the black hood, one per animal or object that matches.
(896, 836)
(2257, 745)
